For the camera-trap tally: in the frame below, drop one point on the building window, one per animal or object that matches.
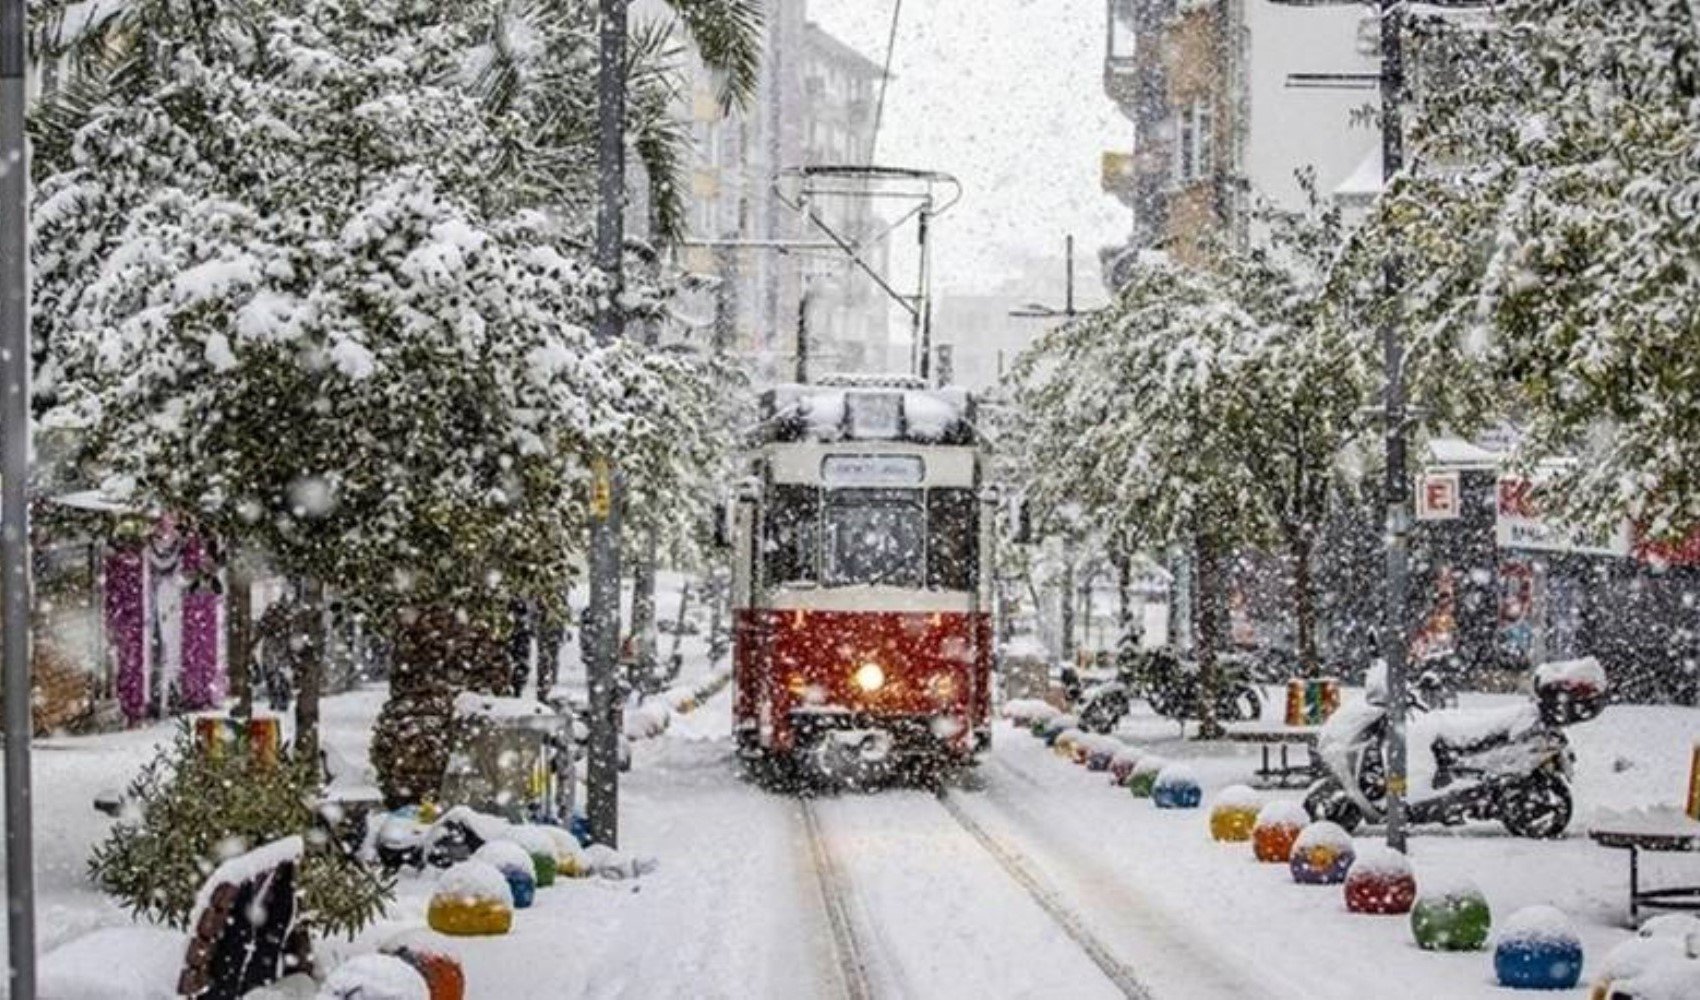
(1195, 147)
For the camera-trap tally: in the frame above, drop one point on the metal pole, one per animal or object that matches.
(924, 307)
(1068, 302)
(802, 372)
(602, 617)
(1397, 486)
(14, 499)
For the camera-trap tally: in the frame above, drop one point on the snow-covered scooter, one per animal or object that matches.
(1507, 764)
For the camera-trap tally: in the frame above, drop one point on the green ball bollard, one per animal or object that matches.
(1456, 920)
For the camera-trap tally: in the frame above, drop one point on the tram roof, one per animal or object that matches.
(864, 408)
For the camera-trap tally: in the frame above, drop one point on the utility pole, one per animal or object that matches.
(602, 617)
(1397, 485)
(802, 372)
(14, 499)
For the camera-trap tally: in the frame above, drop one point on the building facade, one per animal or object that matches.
(772, 285)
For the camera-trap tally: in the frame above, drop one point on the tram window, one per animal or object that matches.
(953, 539)
(875, 538)
(793, 535)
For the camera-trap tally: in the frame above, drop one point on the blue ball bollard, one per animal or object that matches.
(1322, 855)
(1538, 950)
(515, 865)
(1177, 788)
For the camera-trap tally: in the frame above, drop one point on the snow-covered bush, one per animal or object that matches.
(192, 810)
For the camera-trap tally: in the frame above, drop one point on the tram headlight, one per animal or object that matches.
(870, 677)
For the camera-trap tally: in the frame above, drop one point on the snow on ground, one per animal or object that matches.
(735, 909)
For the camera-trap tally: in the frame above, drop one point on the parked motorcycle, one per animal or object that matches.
(1173, 688)
(1510, 765)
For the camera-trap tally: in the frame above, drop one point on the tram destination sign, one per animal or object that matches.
(873, 470)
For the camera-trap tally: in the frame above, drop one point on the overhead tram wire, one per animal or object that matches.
(885, 80)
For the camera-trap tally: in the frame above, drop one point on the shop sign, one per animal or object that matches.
(1518, 524)
(1438, 496)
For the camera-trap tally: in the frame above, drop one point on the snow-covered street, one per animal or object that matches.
(1058, 883)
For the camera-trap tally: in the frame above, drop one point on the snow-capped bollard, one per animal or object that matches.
(1063, 745)
(1177, 788)
(541, 847)
(375, 977)
(1380, 881)
(1143, 781)
(443, 975)
(1056, 726)
(515, 865)
(1276, 828)
(1122, 763)
(1322, 855)
(1538, 950)
(1100, 750)
(570, 861)
(1233, 814)
(471, 899)
(1454, 917)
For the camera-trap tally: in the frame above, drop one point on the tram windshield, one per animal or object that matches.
(872, 537)
(875, 538)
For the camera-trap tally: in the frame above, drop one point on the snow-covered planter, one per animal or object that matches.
(471, 899)
(1538, 949)
(1322, 854)
(1380, 881)
(1454, 917)
(1234, 814)
(1276, 829)
(1143, 781)
(1177, 787)
(375, 977)
(515, 864)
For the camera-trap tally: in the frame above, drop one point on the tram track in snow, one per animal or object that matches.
(848, 951)
(1016, 865)
(857, 961)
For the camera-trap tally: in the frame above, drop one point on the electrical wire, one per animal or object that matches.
(885, 79)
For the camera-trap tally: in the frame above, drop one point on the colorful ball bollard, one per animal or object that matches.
(1143, 781)
(1322, 855)
(515, 865)
(376, 976)
(1177, 788)
(1122, 764)
(1058, 726)
(443, 974)
(1063, 745)
(1100, 752)
(1276, 829)
(1538, 950)
(1233, 814)
(1454, 918)
(541, 847)
(1380, 881)
(471, 899)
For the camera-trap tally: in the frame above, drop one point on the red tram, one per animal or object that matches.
(861, 582)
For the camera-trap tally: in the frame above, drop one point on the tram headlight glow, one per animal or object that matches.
(870, 677)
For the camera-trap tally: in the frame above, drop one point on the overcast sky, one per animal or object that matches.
(1008, 96)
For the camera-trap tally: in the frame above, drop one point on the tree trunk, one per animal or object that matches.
(1304, 603)
(1068, 603)
(239, 635)
(1211, 615)
(643, 606)
(1124, 591)
(308, 644)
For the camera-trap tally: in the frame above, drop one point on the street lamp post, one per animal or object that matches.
(14, 499)
(602, 617)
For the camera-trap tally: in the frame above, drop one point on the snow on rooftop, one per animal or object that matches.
(873, 412)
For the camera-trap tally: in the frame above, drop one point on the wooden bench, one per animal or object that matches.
(1659, 831)
(1275, 740)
